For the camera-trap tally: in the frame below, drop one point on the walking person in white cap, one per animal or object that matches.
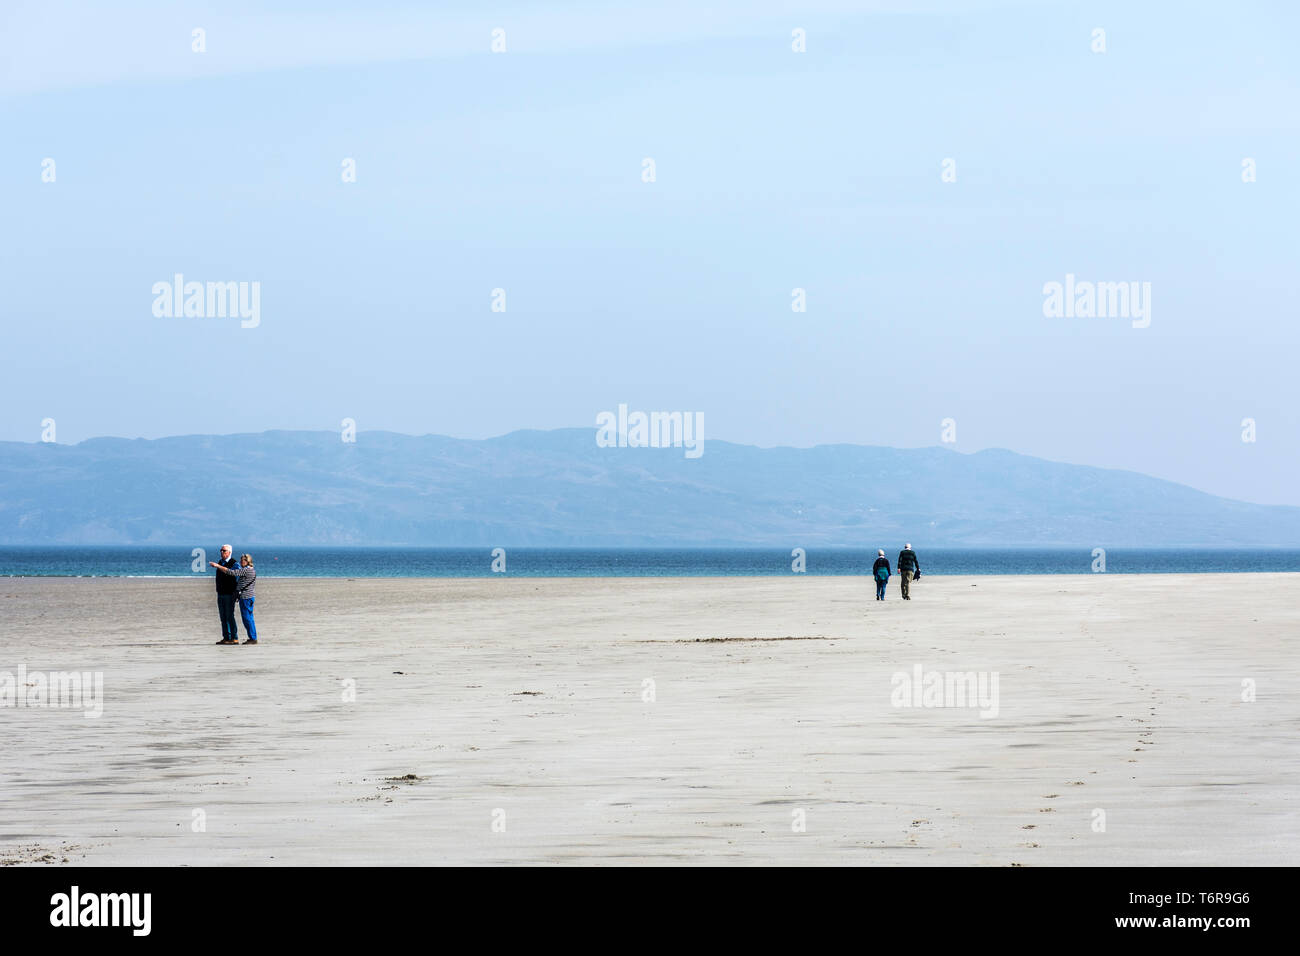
(880, 571)
(908, 568)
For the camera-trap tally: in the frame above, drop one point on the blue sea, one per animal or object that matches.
(178, 562)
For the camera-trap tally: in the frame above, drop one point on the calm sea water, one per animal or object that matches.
(630, 562)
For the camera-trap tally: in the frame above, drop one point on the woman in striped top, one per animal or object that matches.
(245, 579)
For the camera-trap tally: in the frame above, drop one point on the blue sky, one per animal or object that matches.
(774, 170)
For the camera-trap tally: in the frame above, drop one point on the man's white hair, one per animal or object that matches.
(226, 547)
(908, 546)
(880, 551)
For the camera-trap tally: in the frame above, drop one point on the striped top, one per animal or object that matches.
(245, 579)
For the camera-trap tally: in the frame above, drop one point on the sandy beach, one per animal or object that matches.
(685, 720)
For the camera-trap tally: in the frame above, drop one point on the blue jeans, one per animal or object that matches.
(226, 608)
(246, 612)
(880, 589)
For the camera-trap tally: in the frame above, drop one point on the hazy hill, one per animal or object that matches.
(559, 488)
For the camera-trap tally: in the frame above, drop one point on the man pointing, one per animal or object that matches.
(227, 586)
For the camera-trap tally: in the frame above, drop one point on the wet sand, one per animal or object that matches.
(508, 721)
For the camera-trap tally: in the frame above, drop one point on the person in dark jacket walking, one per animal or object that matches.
(880, 571)
(908, 568)
(245, 579)
(226, 598)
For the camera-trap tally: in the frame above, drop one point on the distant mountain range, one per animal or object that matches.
(558, 488)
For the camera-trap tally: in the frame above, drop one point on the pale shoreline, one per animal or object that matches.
(1117, 692)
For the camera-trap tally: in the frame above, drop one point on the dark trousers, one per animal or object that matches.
(880, 589)
(246, 612)
(226, 608)
(905, 579)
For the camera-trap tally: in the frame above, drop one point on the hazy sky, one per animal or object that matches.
(774, 170)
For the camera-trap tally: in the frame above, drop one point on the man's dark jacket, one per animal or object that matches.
(227, 583)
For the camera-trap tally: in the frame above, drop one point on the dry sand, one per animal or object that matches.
(522, 701)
